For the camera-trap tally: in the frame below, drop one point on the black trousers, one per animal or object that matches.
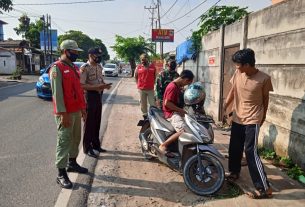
(91, 139)
(245, 137)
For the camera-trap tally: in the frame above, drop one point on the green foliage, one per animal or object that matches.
(229, 190)
(291, 169)
(286, 161)
(213, 19)
(267, 154)
(85, 43)
(295, 172)
(17, 74)
(6, 5)
(29, 30)
(129, 49)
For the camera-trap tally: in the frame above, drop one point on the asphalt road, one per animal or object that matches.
(27, 147)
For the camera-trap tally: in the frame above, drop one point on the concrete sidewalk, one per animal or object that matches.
(287, 192)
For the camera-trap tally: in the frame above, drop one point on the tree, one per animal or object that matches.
(29, 30)
(6, 5)
(213, 19)
(129, 49)
(85, 43)
(23, 27)
(105, 55)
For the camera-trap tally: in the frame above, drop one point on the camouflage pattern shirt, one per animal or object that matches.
(162, 80)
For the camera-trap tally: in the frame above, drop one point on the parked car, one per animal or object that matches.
(110, 69)
(43, 85)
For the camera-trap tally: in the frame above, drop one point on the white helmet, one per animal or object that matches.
(194, 93)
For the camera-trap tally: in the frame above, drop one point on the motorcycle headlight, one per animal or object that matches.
(200, 131)
(41, 80)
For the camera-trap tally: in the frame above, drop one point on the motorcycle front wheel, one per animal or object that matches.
(212, 175)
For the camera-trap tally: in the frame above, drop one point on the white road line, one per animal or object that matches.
(64, 195)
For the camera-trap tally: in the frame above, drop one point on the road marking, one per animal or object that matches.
(65, 194)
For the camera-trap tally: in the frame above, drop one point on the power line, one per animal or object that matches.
(187, 12)
(169, 9)
(58, 3)
(198, 17)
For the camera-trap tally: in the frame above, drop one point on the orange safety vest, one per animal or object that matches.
(146, 77)
(72, 91)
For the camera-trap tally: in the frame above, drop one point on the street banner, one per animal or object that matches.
(162, 35)
(44, 40)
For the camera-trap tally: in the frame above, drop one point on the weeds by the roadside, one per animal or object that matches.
(285, 163)
(230, 190)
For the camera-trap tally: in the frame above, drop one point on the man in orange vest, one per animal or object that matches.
(69, 107)
(145, 75)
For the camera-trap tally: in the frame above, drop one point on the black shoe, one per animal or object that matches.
(91, 153)
(63, 179)
(74, 167)
(101, 150)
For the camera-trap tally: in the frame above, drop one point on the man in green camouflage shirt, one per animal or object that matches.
(163, 79)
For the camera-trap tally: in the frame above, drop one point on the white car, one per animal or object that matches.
(110, 69)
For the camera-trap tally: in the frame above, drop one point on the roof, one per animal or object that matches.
(5, 49)
(2, 22)
(14, 43)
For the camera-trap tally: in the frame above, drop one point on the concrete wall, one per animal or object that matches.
(7, 62)
(277, 35)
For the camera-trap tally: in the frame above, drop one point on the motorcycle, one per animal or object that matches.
(194, 155)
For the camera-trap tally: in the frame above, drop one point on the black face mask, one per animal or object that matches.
(98, 59)
(72, 57)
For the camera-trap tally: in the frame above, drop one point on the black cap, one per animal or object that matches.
(95, 51)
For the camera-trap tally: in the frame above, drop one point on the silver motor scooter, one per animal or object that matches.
(194, 155)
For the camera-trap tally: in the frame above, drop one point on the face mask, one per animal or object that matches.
(98, 59)
(72, 57)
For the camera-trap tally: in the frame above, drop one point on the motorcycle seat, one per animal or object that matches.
(158, 114)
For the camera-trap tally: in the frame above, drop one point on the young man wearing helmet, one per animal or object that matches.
(173, 108)
(163, 79)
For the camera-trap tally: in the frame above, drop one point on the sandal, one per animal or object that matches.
(232, 176)
(260, 194)
(164, 151)
(169, 154)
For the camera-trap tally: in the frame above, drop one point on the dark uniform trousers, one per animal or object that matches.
(93, 122)
(245, 137)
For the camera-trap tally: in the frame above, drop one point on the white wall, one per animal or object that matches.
(7, 62)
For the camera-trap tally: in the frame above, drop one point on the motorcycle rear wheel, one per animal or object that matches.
(145, 146)
(213, 175)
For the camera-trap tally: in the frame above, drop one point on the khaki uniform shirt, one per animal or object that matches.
(90, 74)
(249, 94)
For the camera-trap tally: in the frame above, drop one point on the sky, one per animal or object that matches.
(128, 18)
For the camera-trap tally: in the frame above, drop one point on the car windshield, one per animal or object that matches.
(109, 66)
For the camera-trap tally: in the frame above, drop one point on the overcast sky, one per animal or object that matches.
(127, 18)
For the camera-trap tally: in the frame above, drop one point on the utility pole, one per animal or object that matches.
(152, 11)
(159, 20)
(44, 39)
(50, 39)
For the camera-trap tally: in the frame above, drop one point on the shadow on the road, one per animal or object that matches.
(122, 153)
(15, 90)
(137, 157)
(128, 100)
(145, 188)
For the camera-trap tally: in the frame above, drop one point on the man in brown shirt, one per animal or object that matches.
(93, 83)
(250, 96)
